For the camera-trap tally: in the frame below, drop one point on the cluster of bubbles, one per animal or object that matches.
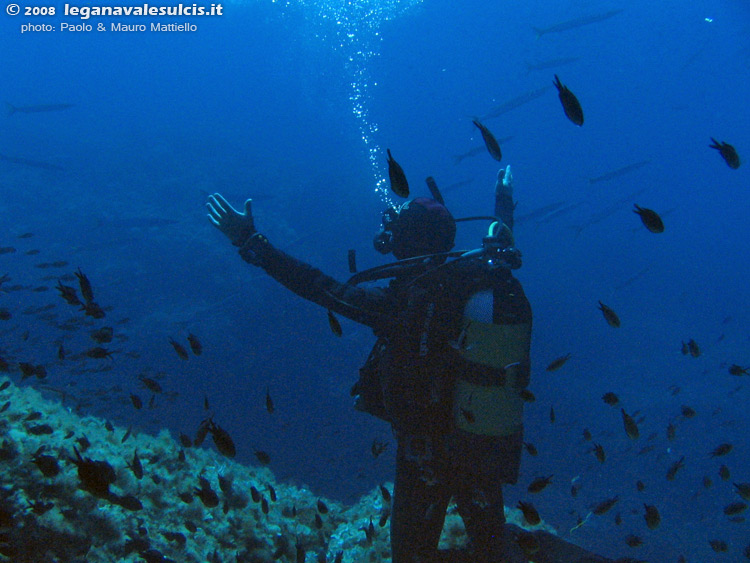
(353, 28)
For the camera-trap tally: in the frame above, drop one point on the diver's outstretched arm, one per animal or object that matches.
(504, 205)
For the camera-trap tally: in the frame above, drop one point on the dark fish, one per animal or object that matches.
(574, 23)
(530, 448)
(95, 476)
(369, 532)
(687, 412)
(551, 415)
(735, 508)
(587, 434)
(387, 495)
(527, 396)
(40, 429)
(150, 384)
(378, 447)
(185, 441)
(633, 541)
(225, 484)
(707, 482)
(631, 428)
(136, 400)
(36, 109)
(558, 363)
(269, 401)
(208, 496)
(539, 484)
(530, 513)
(728, 153)
(743, 489)
(528, 543)
(60, 352)
(724, 473)
(254, 494)
(321, 506)
(195, 344)
(489, 141)
(93, 310)
(46, 463)
(102, 335)
(611, 399)
(719, 546)
(399, 185)
(4, 385)
(619, 172)
(721, 450)
(179, 348)
(334, 323)
(98, 353)
(640, 485)
(222, 440)
(85, 285)
(652, 516)
(599, 453)
(650, 219)
(674, 468)
(127, 434)
(262, 457)
(271, 493)
(609, 315)
(734, 369)
(68, 293)
(318, 521)
(570, 103)
(135, 466)
(605, 505)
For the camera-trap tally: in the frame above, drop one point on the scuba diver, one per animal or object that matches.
(447, 371)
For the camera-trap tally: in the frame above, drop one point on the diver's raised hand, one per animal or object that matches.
(504, 184)
(238, 227)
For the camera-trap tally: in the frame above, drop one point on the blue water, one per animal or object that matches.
(260, 103)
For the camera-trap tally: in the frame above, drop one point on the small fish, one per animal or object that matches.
(103, 335)
(694, 349)
(674, 468)
(150, 384)
(195, 344)
(743, 489)
(735, 508)
(633, 541)
(720, 450)
(609, 315)
(136, 400)
(719, 546)
(489, 141)
(640, 486)
(652, 516)
(208, 496)
(179, 348)
(707, 482)
(551, 415)
(135, 466)
(611, 399)
(321, 506)
(724, 473)
(558, 363)
(528, 543)
(369, 532)
(650, 219)
(378, 447)
(631, 428)
(599, 453)
(271, 493)
(334, 323)
(318, 521)
(527, 396)
(530, 513)
(734, 369)
(68, 293)
(85, 285)
(36, 109)
(386, 494)
(399, 185)
(530, 448)
(98, 353)
(222, 440)
(728, 153)
(587, 434)
(605, 505)
(570, 103)
(269, 401)
(539, 484)
(687, 412)
(262, 457)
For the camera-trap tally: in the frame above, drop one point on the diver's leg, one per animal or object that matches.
(420, 498)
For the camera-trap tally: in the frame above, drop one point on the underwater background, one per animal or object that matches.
(294, 105)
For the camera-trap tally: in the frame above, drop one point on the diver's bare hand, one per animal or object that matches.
(504, 184)
(238, 227)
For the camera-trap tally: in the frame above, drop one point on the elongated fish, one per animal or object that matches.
(574, 23)
(549, 63)
(29, 162)
(516, 102)
(36, 109)
(619, 172)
